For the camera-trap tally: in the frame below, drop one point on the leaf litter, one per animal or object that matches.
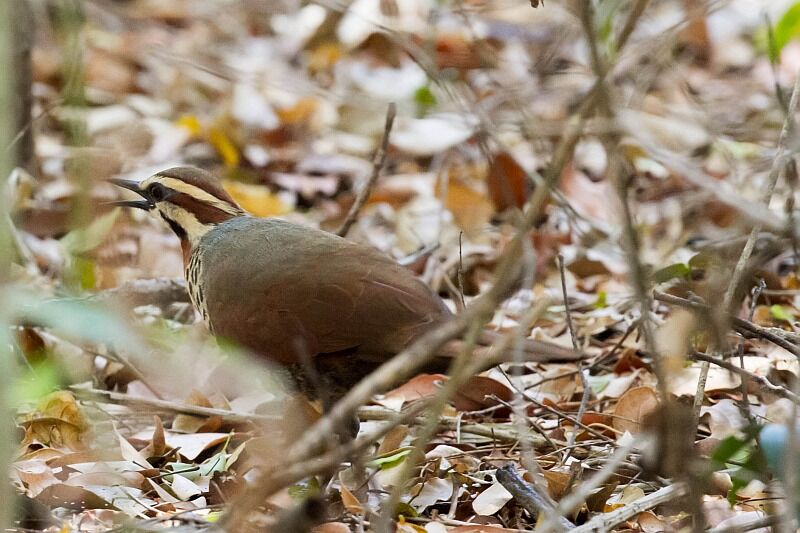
(287, 107)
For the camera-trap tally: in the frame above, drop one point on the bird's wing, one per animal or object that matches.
(299, 291)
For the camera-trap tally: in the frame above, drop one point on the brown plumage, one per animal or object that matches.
(297, 295)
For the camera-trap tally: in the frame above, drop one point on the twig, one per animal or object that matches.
(377, 165)
(745, 327)
(165, 405)
(373, 412)
(460, 271)
(750, 525)
(777, 169)
(159, 291)
(459, 371)
(582, 376)
(762, 382)
(608, 521)
(755, 294)
(528, 497)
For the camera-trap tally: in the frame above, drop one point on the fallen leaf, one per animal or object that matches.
(349, 500)
(633, 407)
(432, 135)
(491, 500)
(256, 199)
(417, 388)
(509, 185)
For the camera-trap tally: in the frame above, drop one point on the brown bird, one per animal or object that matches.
(328, 309)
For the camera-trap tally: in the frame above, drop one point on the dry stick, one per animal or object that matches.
(608, 521)
(584, 381)
(373, 412)
(745, 327)
(615, 173)
(377, 165)
(459, 372)
(527, 496)
(234, 417)
(756, 523)
(761, 381)
(578, 496)
(638, 276)
(527, 455)
(778, 166)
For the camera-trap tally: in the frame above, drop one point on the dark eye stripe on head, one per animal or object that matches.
(204, 212)
(201, 179)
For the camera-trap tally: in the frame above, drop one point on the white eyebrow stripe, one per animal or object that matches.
(197, 192)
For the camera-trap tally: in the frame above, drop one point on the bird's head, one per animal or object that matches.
(190, 200)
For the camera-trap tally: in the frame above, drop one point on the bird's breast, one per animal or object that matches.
(193, 280)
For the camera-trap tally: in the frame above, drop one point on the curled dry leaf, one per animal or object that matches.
(418, 387)
(349, 499)
(480, 392)
(633, 407)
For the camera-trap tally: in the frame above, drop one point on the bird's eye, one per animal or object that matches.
(157, 192)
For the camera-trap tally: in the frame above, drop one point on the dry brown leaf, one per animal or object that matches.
(393, 439)
(477, 393)
(633, 407)
(418, 387)
(508, 182)
(349, 499)
(650, 523)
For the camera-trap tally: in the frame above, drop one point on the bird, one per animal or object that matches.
(327, 309)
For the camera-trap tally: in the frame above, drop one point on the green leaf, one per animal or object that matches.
(82, 240)
(676, 271)
(215, 463)
(728, 448)
(403, 509)
(786, 29)
(599, 382)
(779, 313)
(187, 470)
(736, 484)
(600, 303)
(424, 98)
(701, 261)
(389, 461)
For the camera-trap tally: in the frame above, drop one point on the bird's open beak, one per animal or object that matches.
(147, 204)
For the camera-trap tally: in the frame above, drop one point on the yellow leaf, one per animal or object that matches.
(256, 199)
(62, 405)
(301, 111)
(190, 123)
(224, 146)
(471, 209)
(323, 57)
